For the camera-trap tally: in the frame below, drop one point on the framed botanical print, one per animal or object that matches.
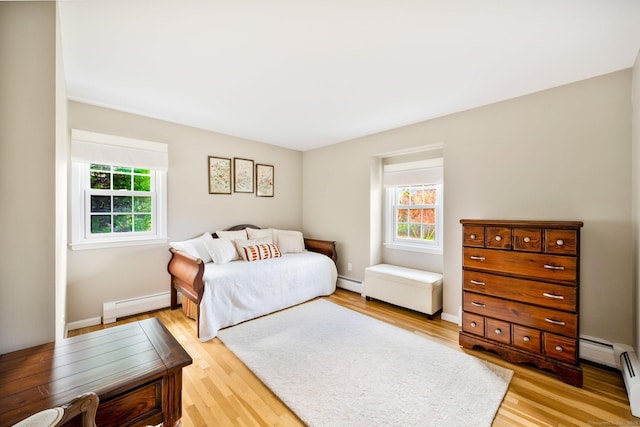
(242, 175)
(264, 180)
(219, 175)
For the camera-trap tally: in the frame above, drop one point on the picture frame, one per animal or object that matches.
(243, 175)
(219, 175)
(264, 180)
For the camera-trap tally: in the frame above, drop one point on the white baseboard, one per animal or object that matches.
(79, 324)
(450, 318)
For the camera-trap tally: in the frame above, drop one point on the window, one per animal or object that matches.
(413, 214)
(120, 200)
(118, 192)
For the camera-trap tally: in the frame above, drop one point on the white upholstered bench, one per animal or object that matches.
(414, 289)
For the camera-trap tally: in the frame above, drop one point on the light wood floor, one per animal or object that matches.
(218, 390)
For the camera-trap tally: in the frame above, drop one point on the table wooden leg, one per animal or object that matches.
(172, 402)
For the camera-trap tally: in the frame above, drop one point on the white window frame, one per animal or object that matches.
(80, 191)
(131, 193)
(413, 245)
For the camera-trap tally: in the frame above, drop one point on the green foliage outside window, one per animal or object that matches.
(124, 213)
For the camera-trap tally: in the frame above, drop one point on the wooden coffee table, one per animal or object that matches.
(135, 369)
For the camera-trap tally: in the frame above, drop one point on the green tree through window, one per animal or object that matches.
(120, 200)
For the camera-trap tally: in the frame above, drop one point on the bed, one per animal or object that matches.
(228, 293)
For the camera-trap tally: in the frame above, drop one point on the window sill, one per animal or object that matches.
(413, 248)
(101, 244)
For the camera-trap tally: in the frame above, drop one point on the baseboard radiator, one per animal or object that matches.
(111, 311)
(350, 284)
(630, 368)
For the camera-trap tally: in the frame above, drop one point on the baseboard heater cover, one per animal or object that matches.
(350, 284)
(630, 368)
(111, 311)
(598, 351)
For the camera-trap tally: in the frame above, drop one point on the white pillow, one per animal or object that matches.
(232, 235)
(195, 247)
(221, 250)
(289, 241)
(254, 234)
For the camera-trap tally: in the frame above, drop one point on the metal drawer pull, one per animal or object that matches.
(476, 282)
(477, 304)
(477, 258)
(473, 324)
(554, 322)
(526, 339)
(472, 237)
(553, 267)
(559, 242)
(552, 296)
(498, 331)
(558, 348)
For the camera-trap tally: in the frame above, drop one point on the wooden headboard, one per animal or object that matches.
(236, 228)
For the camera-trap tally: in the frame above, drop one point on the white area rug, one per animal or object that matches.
(335, 367)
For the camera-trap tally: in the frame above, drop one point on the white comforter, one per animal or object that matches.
(240, 290)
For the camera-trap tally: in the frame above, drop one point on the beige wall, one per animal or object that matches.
(27, 173)
(560, 154)
(635, 156)
(102, 275)
(62, 154)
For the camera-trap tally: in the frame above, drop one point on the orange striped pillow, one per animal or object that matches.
(258, 252)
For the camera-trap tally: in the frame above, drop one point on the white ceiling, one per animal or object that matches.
(308, 73)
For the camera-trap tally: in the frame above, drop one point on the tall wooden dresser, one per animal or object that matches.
(520, 292)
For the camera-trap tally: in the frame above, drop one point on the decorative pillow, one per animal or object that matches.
(221, 250)
(254, 233)
(195, 247)
(289, 241)
(261, 251)
(241, 244)
(233, 235)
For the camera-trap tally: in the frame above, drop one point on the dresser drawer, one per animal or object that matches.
(559, 322)
(541, 266)
(473, 323)
(498, 330)
(497, 237)
(473, 235)
(564, 242)
(545, 294)
(527, 239)
(527, 338)
(561, 348)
